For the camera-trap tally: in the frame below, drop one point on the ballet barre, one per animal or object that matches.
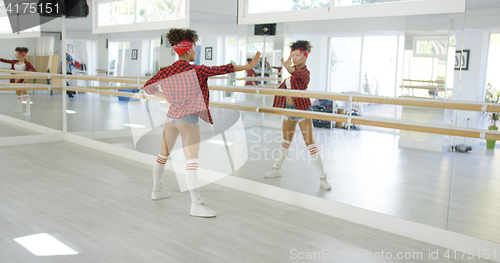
(417, 102)
(384, 123)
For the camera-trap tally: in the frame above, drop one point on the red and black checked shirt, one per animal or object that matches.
(29, 67)
(185, 88)
(299, 80)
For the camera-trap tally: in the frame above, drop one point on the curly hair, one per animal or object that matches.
(22, 49)
(301, 44)
(176, 35)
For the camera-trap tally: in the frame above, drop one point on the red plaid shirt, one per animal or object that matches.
(299, 80)
(29, 67)
(185, 88)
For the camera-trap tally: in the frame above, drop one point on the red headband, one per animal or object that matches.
(23, 53)
(302, 51)
(182, 47)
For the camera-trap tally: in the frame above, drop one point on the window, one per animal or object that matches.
(362, 2)
(257, 11)
(345, 55)
(266, 6)
(138, 15)
(492, 91)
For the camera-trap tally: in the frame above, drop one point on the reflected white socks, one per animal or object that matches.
(158, 168)
(316, 158)
(28, 102)
(19, 103)
(285, 145)
(192, 179)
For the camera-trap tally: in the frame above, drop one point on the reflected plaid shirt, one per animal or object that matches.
(29, 67)
(299, 80)
(181, 84)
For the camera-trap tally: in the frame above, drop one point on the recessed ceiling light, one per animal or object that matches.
(70, 111)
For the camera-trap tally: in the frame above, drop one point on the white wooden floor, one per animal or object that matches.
(99, 205)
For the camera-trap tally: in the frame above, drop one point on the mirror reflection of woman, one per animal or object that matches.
(298, 81)
(185, 87)
(21, 64)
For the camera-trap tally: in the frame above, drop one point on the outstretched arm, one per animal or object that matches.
(6, 61)
(253, 64)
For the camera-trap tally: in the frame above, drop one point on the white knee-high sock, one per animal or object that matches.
(316, 158)
(285, 145)
(192, 179)
(19, 103)
(28, 102)
(158, 168)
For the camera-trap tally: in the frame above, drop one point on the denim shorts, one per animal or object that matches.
(191, 118)
(293, 118)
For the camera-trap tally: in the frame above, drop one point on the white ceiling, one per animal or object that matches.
(202, 12)
(206, 12)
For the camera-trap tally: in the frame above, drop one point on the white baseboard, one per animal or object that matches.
(31, 139)
(27, 125)
(424, 146)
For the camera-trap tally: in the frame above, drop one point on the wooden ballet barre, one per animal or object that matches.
(23, 77)
(424, 87)
(385, 123)
(24, 84)
(116, 93)
(28, 88)
(441, 104)
(425, 81)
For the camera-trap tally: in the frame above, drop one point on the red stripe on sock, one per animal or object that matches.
(161, 160)
(313, 150)
(285, 145)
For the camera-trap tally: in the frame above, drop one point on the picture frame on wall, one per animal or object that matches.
(462, 59)
(208, 53)
(70, 48)
(134, 54)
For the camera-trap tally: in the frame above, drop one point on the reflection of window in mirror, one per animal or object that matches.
(492, 89)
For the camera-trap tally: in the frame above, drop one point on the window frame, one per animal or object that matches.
(137, 26)
(417, 7)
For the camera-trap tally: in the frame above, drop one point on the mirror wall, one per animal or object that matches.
(404, 174)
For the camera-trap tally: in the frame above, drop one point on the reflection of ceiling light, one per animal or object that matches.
(221, 142)
(70, 111)
(31, 102)
(134, 125)
(44, 245)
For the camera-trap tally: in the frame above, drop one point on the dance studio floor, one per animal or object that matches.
(367, 169)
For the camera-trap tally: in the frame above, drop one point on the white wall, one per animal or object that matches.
(469, 85)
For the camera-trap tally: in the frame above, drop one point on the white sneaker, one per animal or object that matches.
(323, 183)
(18, 110)
(198, 208)
(274, 173)
(159, 193)
(26, 113)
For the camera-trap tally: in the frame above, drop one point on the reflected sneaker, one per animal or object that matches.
(159, 193)
(198, 208)
(18, 110)
(323, 183)
(26, 113)
(274, 173)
